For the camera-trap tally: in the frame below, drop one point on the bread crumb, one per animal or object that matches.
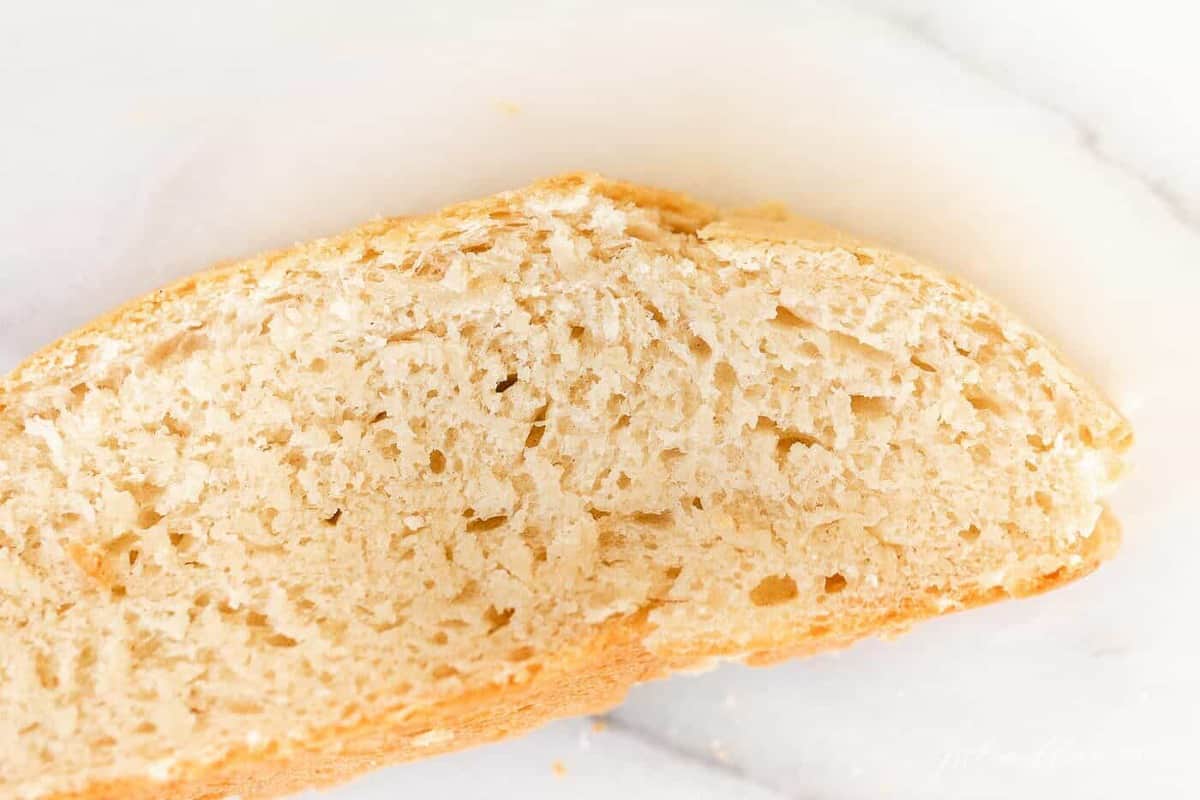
(599, 725)
(508, 108)
(559, 769)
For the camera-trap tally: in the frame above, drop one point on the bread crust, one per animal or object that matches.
(588, 677)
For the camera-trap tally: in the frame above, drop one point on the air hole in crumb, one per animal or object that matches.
(118, 590)
(133, 556)
(507, 383)
(521, 654)
(497, 619)
(256, 619)
(45, 671)
(787, 441)
(615, 403)
(982, 401)
(148, 518)
(437, 462)
(785, 318)
(380, 417)
(863, 259)
(1043, 500)
(622, 422)
(577, 332)
(969, 534)
(534, 438)
(535, 541)
(79, 390)
(922, 364)
(598, 513)
(182, 344)
(699, 348)
(834, 583)
(869, 407)
(113, 380)
(657, 520)
(724, 376)
(146, 727)
(318, 365)
(608, 539)
(697, 503)
(175, 427)
(623, 481)
(655, 314)
(440, 638)
(1037, 443)
(773, 590)
(489, 524)
(281, 640)
(1085, 436)
(670, 454)
(333, 518)
(444, 671)
(469, 592)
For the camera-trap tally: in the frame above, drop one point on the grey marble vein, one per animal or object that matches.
(654, 740)
(920, 28)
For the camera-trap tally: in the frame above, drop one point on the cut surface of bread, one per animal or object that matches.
(442, 479)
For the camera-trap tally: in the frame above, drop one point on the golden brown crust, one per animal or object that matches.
(590, 677)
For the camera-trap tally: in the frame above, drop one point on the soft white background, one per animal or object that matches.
(1050, 151)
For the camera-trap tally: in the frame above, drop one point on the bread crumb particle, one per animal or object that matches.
(559, 769)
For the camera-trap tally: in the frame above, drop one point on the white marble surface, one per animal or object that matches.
(1048, 150)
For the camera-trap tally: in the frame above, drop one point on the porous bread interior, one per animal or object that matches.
(389, 469)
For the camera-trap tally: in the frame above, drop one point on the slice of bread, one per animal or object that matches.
(439, 480)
